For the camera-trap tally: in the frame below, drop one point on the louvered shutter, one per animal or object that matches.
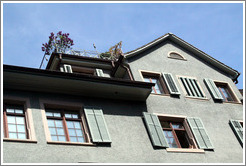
(97, 125)
(238, 130)
(192, 88)
(68, 68)
(213, 89)
(155, 130)
(200, 133)
(100, 72)
(173, 88)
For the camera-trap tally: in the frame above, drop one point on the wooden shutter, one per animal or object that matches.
(155, 130)
(97, 125)
(200, 133)
(99, 72)
(68, 68)
(238, 130)
(192, 88)
(213, 89)
(173, 88)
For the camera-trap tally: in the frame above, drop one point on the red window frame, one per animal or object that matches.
(228, 92)
(5, 119)
(64, 122)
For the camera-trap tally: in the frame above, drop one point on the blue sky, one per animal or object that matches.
(215, 28)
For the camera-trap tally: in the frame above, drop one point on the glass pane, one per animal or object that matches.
(58, 123)
(73, 139)
(146, 80)
(12, 128)
(77, 125)
(70, 124)
(54, 138)
(49, 113)
(68, 115)
(75, 116)
(170, 134)
(153, 80)
(79, 133)
(173, 145)
(56, 114)
(62, 138)
(12, 135)
(60, 131)
(81, 139)
(20, 120)
(21, 128)
(21, 136)
(10, 110)
(177, 125)
(52, 131)
(165, 124)
(71, 132)
(11, 119)
(51, 123)
(18, 111)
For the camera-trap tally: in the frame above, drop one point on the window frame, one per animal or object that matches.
(184, 89)
(158, 76)
(229, 90)
(70, 107)
(175, 52)
(28, 119)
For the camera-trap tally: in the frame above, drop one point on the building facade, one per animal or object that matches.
(165, 102)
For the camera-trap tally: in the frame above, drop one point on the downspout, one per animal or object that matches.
(129, 72)
(235, 79)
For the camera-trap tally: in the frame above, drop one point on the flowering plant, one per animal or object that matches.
(58, 43)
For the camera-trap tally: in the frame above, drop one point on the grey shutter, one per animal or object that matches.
(213, 89)
(99, 72)
(173, 88)
(200, 133)
(155, 130)
(68, 68)
(97, 125)
(238, 130)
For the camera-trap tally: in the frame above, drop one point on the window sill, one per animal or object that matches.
(226, 102)
(153, 94)
(185, 150)
(197, 98)
(70, 143)
(19, 140)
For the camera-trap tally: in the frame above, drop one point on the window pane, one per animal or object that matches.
(75, 116)
(56, 114)
(177, 125)
(77, 125)
(11, 119)
(70, 124)
(62, 138)
(60, 131)
(153, 80)
(73, 139)
(20, 120)
(18, 111)
(146, 80)
(52, 131)
(81, 139)
(13, 135)
(21, 128)
(51, 123)
(12, 128)
(10, 110)
(165, 124)
(49, 113)
(71, 132)
(68, 115)
(79, 132)
(21, 136)
(58, 123)
(54, 138)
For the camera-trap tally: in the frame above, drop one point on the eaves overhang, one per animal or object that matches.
(169, 36)
(37, 80)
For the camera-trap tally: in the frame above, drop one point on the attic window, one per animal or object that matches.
(175, 55)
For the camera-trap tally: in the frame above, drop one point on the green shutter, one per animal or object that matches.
(200, 133)
(173, 88)
(213, 89)
(68, 68)
(97, 125)
(238, 130)
(100, 72)
(155, 130)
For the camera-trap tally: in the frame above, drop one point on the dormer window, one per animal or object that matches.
(176, 55)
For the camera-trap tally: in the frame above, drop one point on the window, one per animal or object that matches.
(191, 87)
(226, 92)
(15, 126)
(176, 55)
(237, 127)
(65, 125)
(160, 86)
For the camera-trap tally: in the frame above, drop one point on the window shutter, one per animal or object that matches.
(61, 69)
(68, 68)
(192, 88)
(200, 133)
(97, 125)
(238, 130)
(155, 130)
(99, 72)
(173, 88)
(213, 89)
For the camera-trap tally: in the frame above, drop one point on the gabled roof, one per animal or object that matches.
(169, 36)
